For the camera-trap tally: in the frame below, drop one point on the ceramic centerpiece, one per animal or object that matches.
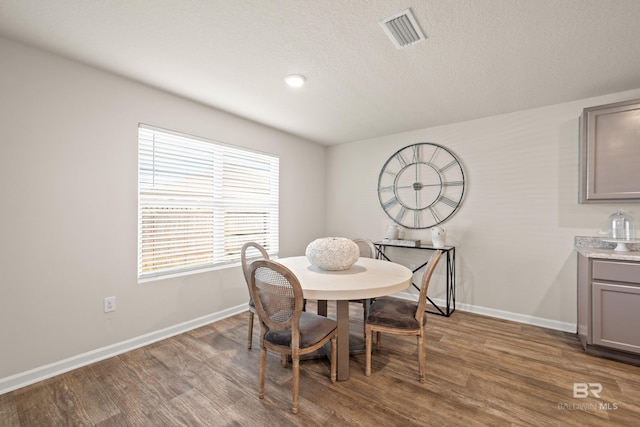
(333, 253)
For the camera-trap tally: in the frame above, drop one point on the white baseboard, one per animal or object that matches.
(507, 315)
(22, 379)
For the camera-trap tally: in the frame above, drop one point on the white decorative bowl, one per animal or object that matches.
(333, 253)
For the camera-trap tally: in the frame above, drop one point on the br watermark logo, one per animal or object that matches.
(584, 391)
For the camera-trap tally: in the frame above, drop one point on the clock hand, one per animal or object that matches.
(418, 187)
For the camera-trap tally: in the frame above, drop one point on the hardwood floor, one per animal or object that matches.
(481, 372)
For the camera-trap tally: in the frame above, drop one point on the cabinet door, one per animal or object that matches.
(610, 153)
(616, 316)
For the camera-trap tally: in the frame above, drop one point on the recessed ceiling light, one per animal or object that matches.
(295, 80)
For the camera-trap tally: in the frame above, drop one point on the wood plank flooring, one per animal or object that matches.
(481, 372)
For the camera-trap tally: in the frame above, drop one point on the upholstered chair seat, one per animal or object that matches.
(394, 313)
(313, 329)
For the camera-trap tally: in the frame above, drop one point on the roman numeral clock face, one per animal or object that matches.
(421, 185)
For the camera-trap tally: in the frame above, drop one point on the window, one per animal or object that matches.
(200, 201)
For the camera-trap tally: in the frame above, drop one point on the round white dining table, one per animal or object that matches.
(367, 278)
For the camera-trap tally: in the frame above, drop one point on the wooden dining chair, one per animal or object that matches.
(367, 250)
(251, 251)
(284, 327)
(401, 317)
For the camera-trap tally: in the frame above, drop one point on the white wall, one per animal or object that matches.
(68, 227)
(515, 230)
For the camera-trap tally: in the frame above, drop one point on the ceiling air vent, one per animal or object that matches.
(402, 29)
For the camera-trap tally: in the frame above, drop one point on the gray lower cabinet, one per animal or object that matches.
(609, 308)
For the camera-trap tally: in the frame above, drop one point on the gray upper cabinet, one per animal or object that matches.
(610, 153)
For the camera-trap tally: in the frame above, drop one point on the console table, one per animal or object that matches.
(450, 252)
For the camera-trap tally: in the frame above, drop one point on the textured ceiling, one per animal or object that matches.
(480, 58)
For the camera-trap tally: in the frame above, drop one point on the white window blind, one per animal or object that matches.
(200, 201)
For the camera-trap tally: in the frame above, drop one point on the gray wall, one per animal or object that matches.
(68, 223)
(515, 229)
(68, 228)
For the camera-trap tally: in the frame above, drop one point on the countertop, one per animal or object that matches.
(595, 247)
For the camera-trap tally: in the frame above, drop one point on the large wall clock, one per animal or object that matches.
(421, 185)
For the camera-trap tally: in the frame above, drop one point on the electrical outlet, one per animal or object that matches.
(109, 304)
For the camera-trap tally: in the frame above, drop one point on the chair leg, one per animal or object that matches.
(263, 367)
(334, 353)
(367, 306)
(365, 309)
(296, 382)
(368, 335)
(250, 338)
(377, 340)
(422, 359)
